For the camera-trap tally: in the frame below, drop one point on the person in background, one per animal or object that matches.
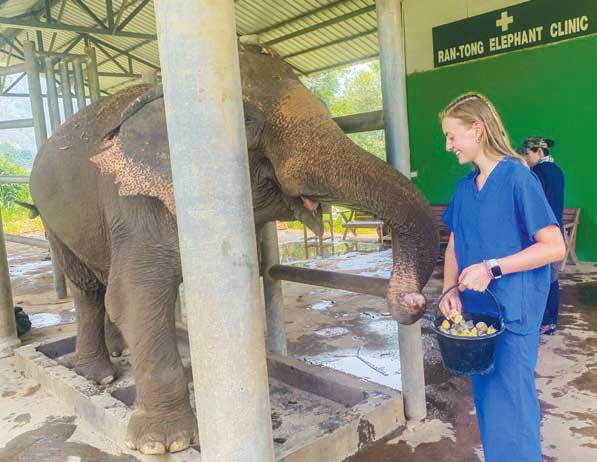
(538, 157)
(503, 237)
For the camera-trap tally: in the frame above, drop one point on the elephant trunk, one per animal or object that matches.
(386, 193)
(342, 173)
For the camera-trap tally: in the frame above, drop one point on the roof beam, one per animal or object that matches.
(110, 14)
(59, 18)
(28, 24)
(131, 16)
(127, 54)
(300, 16)
(321, 25)
(329, 44)
(127, 50)
(90, 13)
(19, 51)
(108, 55)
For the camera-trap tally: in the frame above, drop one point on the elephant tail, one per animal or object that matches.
(33, 212)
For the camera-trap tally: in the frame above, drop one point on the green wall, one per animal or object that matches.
(549, 91)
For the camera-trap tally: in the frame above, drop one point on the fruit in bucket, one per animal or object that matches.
(461, 328)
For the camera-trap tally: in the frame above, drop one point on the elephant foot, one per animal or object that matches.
(101, 371)
(115, 341)
(157, 434)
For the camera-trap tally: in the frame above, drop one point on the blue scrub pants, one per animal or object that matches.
(506, 402)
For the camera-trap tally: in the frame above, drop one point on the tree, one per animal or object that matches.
(351, 91)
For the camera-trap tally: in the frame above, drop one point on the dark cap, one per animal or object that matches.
(534, 142)
(521, 151)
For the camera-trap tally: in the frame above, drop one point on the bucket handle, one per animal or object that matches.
(499, 307)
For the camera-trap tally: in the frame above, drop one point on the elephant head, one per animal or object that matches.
(305, 155)
(299, 158)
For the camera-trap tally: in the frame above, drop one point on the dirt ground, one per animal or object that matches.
(339, 329)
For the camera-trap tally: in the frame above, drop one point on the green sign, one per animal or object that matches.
(529, 24)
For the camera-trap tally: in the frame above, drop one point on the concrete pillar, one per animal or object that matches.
(79, 84)
(393, 80)
(149, 76)
(37, 105)
(393, 83)
(204, 113)
(8, 327)
(52, 92)
(92, 76)
(67, 98)
(272, 291)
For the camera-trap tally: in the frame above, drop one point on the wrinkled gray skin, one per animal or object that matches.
(121, 252)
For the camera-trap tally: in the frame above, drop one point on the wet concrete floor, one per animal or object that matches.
(339, 329)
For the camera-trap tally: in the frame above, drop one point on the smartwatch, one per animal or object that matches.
(494, 267)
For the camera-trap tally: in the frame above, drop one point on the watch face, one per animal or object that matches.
(496, 271)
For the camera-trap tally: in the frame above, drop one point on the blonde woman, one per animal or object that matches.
(504, 236)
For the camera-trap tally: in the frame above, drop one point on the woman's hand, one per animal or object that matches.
(451, 304)
(475, 277)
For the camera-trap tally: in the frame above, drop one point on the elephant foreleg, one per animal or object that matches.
(142, 290)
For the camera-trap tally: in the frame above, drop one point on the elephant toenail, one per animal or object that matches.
(130, 444)
(107, 380)
(178, 445)
(115, 354)
(153, 448)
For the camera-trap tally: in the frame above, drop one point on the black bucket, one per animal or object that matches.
(469, 355)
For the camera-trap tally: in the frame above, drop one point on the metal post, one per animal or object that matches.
(393, 79)
(149, 76)
(8, 326)
(79, 84)
(67, 98)
(92, 77)
(59, 279)
(37, 105)
(272, 291)
(219, 266)
(52, 95)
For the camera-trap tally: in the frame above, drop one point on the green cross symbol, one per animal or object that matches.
(505, 21)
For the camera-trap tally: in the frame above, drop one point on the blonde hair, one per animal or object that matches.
(474, 107)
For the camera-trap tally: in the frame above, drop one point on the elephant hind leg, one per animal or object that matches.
(92, 359)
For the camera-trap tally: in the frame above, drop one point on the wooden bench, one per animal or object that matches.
(312, 240)
(354, 220)
(570, 219)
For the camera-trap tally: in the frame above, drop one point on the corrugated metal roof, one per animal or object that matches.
(312, 35)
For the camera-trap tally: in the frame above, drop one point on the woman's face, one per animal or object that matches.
(461, 139)
(533, 157)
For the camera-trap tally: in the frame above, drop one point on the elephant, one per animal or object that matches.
(103, 188)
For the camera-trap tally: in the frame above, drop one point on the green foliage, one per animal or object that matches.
(11, 192)
(351, 91)
(20, 157)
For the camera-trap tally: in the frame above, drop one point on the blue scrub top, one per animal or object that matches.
(498, 221)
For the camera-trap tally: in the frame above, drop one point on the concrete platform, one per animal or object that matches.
(318, 413)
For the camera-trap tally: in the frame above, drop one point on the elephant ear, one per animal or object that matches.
(136, 152)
